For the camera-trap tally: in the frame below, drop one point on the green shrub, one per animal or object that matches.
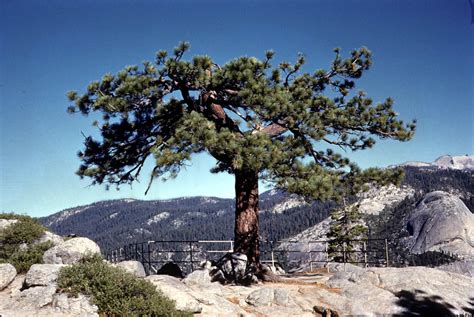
(11, 215)
(114, 291)
(22, 260)
(16, 239)
(25, 230)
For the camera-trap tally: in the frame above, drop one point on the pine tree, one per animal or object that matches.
(346, 227)
(258, 121)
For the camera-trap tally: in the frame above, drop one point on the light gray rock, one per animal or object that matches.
(465, 267)
(199, 277)
(134, 267)
(42, 274)
(270, 296)
(49, 236)
(341, 267)
(365, 292)
(32, 298)
(260, 297)
(454, 288)
(7, 274)
(176, 290)
(206, 300)
(441, 222)
(219, 306)
(4, 223)
(75, 306)
(455, 162)
(14, 287)
(70, 251)
(387, 290)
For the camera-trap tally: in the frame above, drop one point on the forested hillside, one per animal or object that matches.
(118, 222)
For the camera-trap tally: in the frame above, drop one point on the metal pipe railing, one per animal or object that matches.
(149, 252)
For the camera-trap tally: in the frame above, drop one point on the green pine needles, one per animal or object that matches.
(345, 229)
(246, 113)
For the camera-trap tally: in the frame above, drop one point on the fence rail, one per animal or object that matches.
(285, 253)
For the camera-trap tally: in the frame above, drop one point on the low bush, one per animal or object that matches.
(114, 291)
(23, 259)
(16, 239)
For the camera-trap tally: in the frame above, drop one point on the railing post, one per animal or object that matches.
(310, 259)
(273, 259)
(365, 254)
(327, 256)
(386, 253)
(149, 258)
(344, 254)
(191, 252)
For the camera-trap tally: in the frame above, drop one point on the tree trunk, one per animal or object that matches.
(246, 216)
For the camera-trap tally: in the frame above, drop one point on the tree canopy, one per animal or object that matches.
(277, 123)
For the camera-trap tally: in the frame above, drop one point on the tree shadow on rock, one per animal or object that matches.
(470, 309)
(418, 303)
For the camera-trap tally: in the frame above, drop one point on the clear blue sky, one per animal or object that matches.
(423, 58)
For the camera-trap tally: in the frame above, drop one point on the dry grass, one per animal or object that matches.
(233, 300)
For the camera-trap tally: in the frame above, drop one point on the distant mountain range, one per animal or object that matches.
(115, 223)
(465, 162)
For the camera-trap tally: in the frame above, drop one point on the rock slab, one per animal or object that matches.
(7, 274)
(42, 274)
(70, 251)
(173, 288)
(441, 222)
(134, 267)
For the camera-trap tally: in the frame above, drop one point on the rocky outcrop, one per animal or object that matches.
(464, 267)
(371, 202)
(44, 301)
(465, 162)
(7, 274)
(71, 251)
(376, 199)
(211, 299)
(198, 277)
(441, 222)
(176, 290)
(395, 290)
(36, 295)
(42, 274)
(134, 267)
(455, 162)
(75, 306)
(268, 296)
(356, 291)
(51, 237)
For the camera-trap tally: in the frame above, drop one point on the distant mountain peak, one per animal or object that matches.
(455, 162)
(461, 162)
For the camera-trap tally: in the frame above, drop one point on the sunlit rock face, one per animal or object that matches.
(441, 222)
(455, 162)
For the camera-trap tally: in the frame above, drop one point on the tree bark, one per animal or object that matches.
(246, 235)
